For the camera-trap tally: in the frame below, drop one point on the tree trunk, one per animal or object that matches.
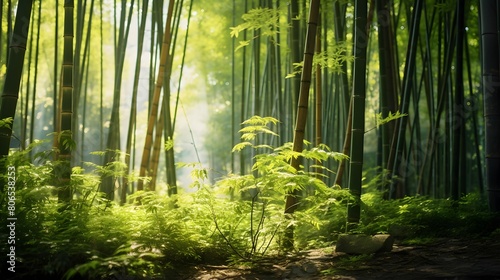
(65, 139)
(305, 83)
(459, 174)
(398, 143)
(358, 110)
(343, 94)
(165, 53)
(319, 100)
(388, 75)
(491, 90)
(133, 105)
(113, 141)
(13, 76)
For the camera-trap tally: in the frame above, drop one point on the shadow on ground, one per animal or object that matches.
(442, 259)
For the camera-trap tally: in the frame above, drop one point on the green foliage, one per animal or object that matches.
(65, 138)
(265, 19)
(423, 217)
(332, 59)
(169, 144)
(390, 117)
(446, 6)
(259, 222)
(322, 217)
(380, 120)
(239, 218)
(3, 70)
(6, 122)
(116, 168)
(93, 237)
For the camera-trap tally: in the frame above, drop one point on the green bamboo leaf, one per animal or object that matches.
(7, 122)
(258, 120)
(240, 146)
(264, 146)
(390, 117)
(242, 44)
(235, 31)
(293, 74)
(248, 136)
(169, 144)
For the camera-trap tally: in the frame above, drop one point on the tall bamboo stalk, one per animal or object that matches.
(133, 105)
(113, 141)
(295, 55)
(358, 111)
(388, 75)
(159, 128)
(491, 90)
(477, 144)
(83, 83)
(343, 95)
(165, 49)
(458, 166)
(65, 138)
(319, 97)
(395, 157)
(244, 97)
(292, 198)
(35, 78)
(15, 62)
(26, 101)
(55, 68)
(9, 29)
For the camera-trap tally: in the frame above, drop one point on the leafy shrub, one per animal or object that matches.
(239, 218)
(259, 223)
(412, 217)
(93, 237)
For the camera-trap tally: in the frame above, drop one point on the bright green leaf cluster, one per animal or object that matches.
(169, 144)
(255, 125)
(332, 59)
(6, 122)
(265, 19)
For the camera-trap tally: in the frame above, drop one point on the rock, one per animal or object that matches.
(364, 244)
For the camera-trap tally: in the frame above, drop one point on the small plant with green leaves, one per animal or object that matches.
(92, 237)
(258, 225)
(423, 217)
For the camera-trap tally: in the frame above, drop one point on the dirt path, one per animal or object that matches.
(443, 259)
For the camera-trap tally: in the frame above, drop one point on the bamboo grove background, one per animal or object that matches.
(136, 78)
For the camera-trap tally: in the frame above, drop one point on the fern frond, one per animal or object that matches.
(240, 146)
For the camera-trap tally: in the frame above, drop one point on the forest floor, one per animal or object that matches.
(439, 259)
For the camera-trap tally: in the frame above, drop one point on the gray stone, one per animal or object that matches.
(364, 244)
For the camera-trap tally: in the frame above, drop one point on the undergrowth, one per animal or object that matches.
(238, 219)
(424, 217)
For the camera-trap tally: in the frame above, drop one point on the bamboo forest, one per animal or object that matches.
(250, 139)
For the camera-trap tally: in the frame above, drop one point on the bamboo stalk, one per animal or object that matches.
(358, 112)
(146, 155)
(292, 198)
(13, 74)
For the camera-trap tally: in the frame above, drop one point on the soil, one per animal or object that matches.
(440, 259)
